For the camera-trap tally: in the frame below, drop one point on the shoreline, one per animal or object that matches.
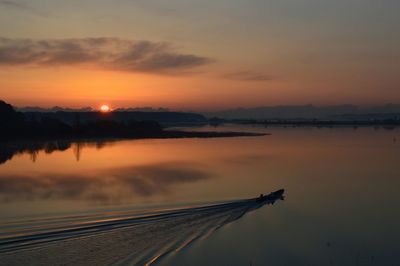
(11, 147)
(165, 134)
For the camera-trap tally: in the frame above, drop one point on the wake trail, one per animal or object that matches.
(137, 240)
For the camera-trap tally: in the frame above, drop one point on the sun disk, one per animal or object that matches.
(105, 108)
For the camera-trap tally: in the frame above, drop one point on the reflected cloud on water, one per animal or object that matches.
(109, 186)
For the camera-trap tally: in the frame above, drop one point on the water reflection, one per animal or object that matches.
(141, 239)
(9, 149)
(113, 185)
(343, 186)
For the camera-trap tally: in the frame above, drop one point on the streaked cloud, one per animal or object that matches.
(21, 6)
(14, 4)
(248, 76)
(107, 53)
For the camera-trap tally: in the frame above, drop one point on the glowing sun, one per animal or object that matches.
(105, 108)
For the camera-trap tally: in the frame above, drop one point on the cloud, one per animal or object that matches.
(108, 53)
(22, 6)
(107, 186)
(14, 4)
(157, 179)
(248, 76)
(247, 159)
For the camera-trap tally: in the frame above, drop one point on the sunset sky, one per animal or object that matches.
(199, 55)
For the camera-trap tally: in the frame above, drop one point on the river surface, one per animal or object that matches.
(341, 203)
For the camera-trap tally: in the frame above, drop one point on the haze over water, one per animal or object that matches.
(341, 191)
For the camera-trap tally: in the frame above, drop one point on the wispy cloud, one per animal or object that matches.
(248, 76)
(108, 53)
(14, 4)
(21, 6)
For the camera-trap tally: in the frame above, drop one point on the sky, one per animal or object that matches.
(199, 55)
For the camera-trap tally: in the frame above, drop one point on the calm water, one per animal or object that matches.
(341, 207)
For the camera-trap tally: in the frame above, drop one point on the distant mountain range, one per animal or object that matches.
(335, 112)
(164, 118)
(52, 109)
(85, 109)
(10, 115)
(346, 111)
(142, 109)
(90, 125)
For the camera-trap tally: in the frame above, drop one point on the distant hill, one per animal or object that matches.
(52, 109)
(347, 111)
(87, 114)
(93, 125)
(142, 109)
(86, 109)
(8, 116)
(6, 110)
(164, 118)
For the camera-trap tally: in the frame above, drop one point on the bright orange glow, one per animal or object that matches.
(105, 108)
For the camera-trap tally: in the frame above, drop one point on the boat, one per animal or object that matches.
(276, 195)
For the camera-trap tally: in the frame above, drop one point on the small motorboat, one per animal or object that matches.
(271, 196)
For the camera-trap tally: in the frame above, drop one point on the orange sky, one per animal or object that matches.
(184, 55)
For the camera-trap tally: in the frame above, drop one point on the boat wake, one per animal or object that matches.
(122, 240)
